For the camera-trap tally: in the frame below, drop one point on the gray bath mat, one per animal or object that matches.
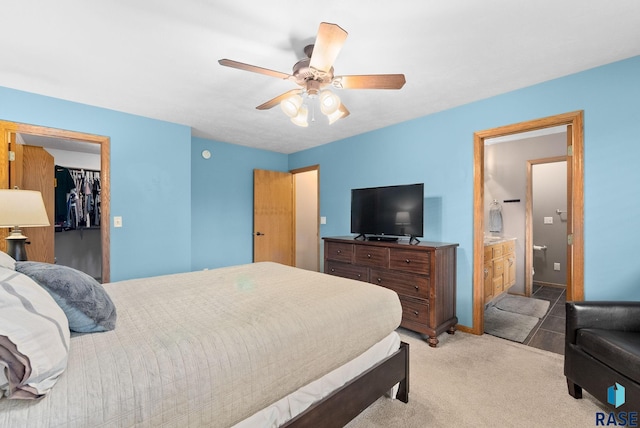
(508, 325)
(523, 305)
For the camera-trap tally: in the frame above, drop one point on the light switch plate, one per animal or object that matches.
(548, 220)
(323, 220)
(117, 221)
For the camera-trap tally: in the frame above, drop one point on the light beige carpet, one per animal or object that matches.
(481, 381)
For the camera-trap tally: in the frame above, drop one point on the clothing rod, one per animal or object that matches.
(559, 211)
(78, 169)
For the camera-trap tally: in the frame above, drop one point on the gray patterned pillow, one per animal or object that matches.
(85, 302)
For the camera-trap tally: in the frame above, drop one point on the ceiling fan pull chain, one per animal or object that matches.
(313, 109)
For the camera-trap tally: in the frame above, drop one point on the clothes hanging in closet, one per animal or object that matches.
(63, 185)
(80, 206)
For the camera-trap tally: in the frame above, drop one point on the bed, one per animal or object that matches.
(254, 345)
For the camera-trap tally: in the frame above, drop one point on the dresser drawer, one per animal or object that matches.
(346, 270)
(372, 256)
(339, 251)
(411, 261)
(405, 284)
(414, 310)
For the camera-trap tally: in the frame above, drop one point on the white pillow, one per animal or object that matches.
(6, 261)
(34, 337)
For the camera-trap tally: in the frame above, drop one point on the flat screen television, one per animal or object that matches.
(385, 213)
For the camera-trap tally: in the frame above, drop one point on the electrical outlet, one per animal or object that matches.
(117, 221)
(556, 266)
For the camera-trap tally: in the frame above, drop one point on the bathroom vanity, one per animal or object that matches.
(499, 266)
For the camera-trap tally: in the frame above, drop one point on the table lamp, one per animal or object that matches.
(21, 208)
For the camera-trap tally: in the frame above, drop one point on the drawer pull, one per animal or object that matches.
(407, 261)
(369, 255)
(415, 313)
(359, 276)
(416, 287)
(380, 280)
(333, 270)
(339, 251)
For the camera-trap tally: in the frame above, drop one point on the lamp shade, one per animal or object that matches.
(23, 208)
(290, 106)
(403, 217)
(329, 102)
(301, 118)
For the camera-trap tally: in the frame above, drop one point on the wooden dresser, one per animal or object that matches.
(423, 275)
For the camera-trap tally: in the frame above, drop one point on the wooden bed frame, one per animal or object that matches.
(347, 402)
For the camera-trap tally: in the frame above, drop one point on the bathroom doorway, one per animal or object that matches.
(575, 196)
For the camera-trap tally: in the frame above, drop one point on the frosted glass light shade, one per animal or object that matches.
(335, 116)
(23, 208)
(301, 118)
(291, 105)
(329, 102)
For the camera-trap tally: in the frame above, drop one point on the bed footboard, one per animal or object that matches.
(344, 404)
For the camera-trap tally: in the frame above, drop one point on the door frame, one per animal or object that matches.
(7, 128)
(575, 163)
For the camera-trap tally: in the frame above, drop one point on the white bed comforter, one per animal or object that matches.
(210, 348)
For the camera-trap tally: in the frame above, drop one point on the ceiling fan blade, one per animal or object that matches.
(247, 67)
(370, 81)
(328, 43)
(275, 101)
(343, 109)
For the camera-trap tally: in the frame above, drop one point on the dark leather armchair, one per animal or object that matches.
(602, 348)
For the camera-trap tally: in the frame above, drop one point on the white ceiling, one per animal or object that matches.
(159, 58)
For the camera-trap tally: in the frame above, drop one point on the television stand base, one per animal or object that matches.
(383, 238)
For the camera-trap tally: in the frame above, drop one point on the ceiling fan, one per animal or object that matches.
(314, 73)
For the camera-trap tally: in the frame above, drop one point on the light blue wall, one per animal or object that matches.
(183, 213)
(150, 179)
(438, 150)
(222, 201)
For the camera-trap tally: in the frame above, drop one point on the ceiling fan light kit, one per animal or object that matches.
(316, 72)
(291, 105)
(329, 102)
(300, 119)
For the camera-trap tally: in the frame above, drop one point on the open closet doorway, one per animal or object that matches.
(286, 217)
(306, 183)
(28, 159)
(575, 201)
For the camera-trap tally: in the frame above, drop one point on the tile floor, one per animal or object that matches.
(548, 334)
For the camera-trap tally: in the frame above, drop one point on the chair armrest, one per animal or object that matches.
(621, 316)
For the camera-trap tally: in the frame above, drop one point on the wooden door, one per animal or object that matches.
(35, 171)
(273, 217)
